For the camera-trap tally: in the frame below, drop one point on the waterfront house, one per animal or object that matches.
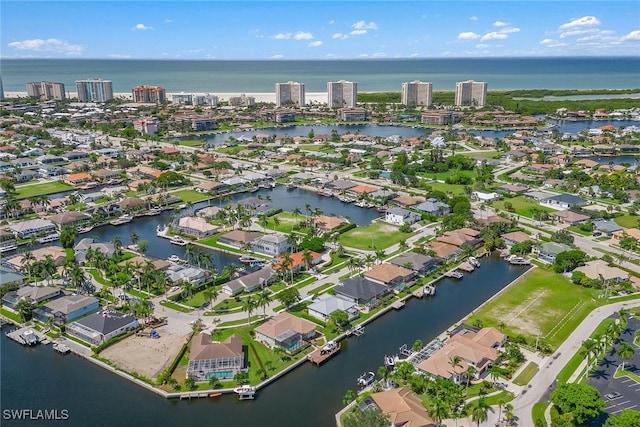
(390, 275)
(221, 360)
(443, 250)
(325, 224)
(238, 238)
(26, 229)
(249, 282)
(193, 275)
(285, 331)
(297, 261)
(210, 212)
(600, 270)
(72, 218)
(548, 251)
(132, 204)
(477, 349)
(361, 291)
(515, 237)
(460, 237)
(77, 178)
(82, 247)
(34, 294)
(402, 406)
(57, 253)
(194, 226)
(399, 216)
(8, 241)
(433, 207)
(606, 226)
(271, 244)
(100, 327)
(418, 263)
(325, 305)
(66, 309)
(563, 201)
(106, 174)
(406, 201)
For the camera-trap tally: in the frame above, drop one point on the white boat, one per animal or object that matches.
(49, 238)
(517, 260)
(174, 258)
(82, 230)
(366, 379)
(177, 240)
(245, 392)
(29, 337)
(389, 362)
(474, 261)
(124, 219)
(154, 211)
(430, 290)
(329, 347)
(454, 274)
(8, 248)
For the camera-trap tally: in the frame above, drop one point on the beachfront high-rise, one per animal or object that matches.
(1, 90)
(342, 94)
(46, 91)
(290, 94)
(417, 93)
(94, 90)
(149, 94)
(472, 93)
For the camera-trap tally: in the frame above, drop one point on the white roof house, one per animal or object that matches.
(325, 305)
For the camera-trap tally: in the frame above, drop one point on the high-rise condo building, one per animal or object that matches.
(290, 94)
(471, 93)
(417, 93)
(149, 94)
(1, 90)
(46, 91)
(342, 94)
(94, 90)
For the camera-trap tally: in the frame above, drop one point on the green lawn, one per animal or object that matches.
(522, 205)
(488, 154)
(192, 143)
(628, 221)
(11, 315)
(447, 188)
(442, 176)
(577, 230)
(527, 373)
(377, 235)
(190, 196)
(537, 413)
(542, 303)
(26, 191)
(286, 222)
(174, 306)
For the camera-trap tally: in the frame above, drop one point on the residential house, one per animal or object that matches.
(77, 178)
(460, 237)
(271, 244)
(297, 261)
(238, 238)
(633, 233)
(433, 207)
(443, 250)
(515, 237)
(67, 308)
(548, 251)
(10, 276)
(326, 224)
(249, 282)
(399, 216)
(600, 270)
(402, 406)
(8, 241)
(513, 189)
(57, 253)
(390, 275)
(325, 305)
(26, 229)
(221, 360)
(361, 291)
(418, 263)
(285, 331)
(100, 327)
(485, 197)
(563, 201)
(194, 226)
(179, 273)
(106, 174)
(606, 226)
(34, 294)
(71, 218)
(82, 247)
(569, 217)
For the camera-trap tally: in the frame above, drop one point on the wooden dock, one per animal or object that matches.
(398, 304)
(419, 293)
(465, 266)
(317, 358)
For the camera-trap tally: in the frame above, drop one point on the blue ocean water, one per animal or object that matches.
(371, 75)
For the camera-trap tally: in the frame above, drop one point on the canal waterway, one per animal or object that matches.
(309, 396)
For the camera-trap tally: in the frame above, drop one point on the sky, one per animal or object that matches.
(294, 30)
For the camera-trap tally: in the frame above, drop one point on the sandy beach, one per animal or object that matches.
(311, 97)
(143, 355)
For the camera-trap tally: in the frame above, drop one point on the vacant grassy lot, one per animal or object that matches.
(192, 143)
(628, 221)
(526, 374)
(26, 191)
(442, 176)
(447, 188)
(286, 222)
(377, 235)
(190, 196)
(521, 205)
(542, 303)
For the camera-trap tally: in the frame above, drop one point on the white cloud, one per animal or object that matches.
(572, 33)
(358, 32)
(585, 21)
(473, 18)
(48, 45)
(500, 24)
(482, 46)
(301, 35)
(141, 27)
(340, 36)
(332, 22)
(119, 56)
(547, 41)
(468, 35)
(168, 21)
(509, 30)
(277, 57)
(283, 36)
(316, 43)
(494, 36)
(633, 35)
(362, 25)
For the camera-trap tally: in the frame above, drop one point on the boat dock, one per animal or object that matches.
(465, 266)
(61, 348)
(27, 336)
(418, 293)
(454, 274)
(398, 304)
(356, 330)
(318, 358)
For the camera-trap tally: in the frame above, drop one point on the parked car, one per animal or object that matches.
(597, 233)
(611, 396)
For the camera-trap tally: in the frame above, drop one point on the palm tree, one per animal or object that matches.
(264, 298)
(626, 352)
(286, 263)
(24, 307)
(187, 289)
(208, 294)
(249, 305)
(470, 373)
(438, 410)
(455, 362)
(134, 238)
(307, 258)
(623, 314)
(27, 262)
(380, 254)
(480, 411)
(590, 347)
(49, 267)
(117, 244)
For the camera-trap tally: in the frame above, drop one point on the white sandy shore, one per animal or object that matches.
(311, 97)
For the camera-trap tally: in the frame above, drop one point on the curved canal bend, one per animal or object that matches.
(309, 396)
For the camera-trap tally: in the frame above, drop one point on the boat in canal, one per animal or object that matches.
(517, 260)
(124, 219)
(49, 238)
(389, 362)
(174, 258)
(177, 240)
(366, 379)
(153, 212)
(245, 392)
(474, 261)
(454, 274)
(29, 337)
(82, 230)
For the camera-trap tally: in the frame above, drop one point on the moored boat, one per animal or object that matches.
(366, 379)
(177, 240)
(82, 230)
(124, 219)
(49, 238)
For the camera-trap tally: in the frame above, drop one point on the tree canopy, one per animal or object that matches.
(368, 418)
(582, 401)
(628, 418)
(568, 260)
